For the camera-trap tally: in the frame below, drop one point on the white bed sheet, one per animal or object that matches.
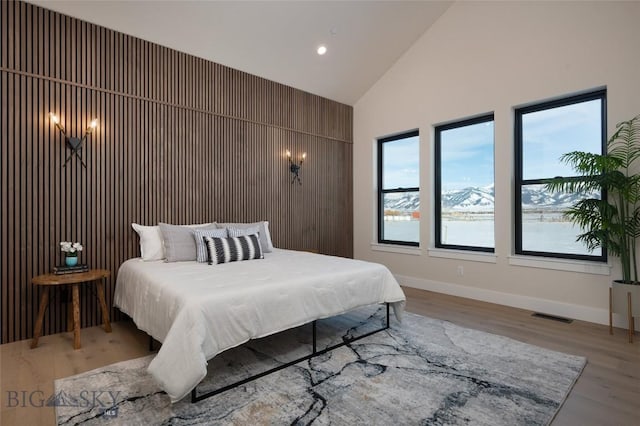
(197, 310)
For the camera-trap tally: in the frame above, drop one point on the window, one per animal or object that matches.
(398, 189)
(543, 132)
(464, 191)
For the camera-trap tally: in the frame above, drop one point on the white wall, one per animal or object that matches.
(491, 56)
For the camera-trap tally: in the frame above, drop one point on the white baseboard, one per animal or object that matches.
(566, 310)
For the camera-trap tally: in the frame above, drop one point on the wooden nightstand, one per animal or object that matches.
(48, 280)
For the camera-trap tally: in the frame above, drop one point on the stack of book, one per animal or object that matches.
(64, 269)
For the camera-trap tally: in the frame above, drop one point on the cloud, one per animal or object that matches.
(550, 133)
(467, 156)
(401, 163)
(466, 143)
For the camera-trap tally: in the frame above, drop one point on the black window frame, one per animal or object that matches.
(600, 94)
(382, 192)
(484, 118)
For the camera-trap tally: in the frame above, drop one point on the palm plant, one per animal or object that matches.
(613, 222)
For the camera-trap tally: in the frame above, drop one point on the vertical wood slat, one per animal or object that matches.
(180, 139)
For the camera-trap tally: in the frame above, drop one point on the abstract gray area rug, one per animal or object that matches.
(421, 372)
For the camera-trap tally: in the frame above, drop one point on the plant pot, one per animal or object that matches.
(624, 299)
(71, 260)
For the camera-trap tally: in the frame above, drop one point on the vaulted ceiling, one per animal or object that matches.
(276, 40)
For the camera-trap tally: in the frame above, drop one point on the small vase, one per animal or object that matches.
(71, 260)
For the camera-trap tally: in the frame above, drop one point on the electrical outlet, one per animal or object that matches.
(460, 270)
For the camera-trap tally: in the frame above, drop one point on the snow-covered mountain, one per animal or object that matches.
(405, 202)
(469, 199)
(479, 199)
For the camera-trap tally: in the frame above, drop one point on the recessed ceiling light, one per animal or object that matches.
(322, 49)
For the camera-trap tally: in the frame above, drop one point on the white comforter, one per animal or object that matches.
(197, 310)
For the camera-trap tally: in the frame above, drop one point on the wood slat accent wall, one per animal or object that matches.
(180, 139)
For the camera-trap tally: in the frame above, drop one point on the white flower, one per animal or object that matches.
(70, 247)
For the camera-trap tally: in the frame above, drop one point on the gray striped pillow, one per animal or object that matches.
(232, 249)
(239, 232)
(265, 235)
(201, 247)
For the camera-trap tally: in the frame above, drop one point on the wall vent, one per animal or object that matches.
(552, 317)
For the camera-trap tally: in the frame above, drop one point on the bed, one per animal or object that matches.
(198, 310)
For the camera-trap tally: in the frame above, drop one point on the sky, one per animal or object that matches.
(468, 152)
(550, 133)
(401, 168)
(467, 156)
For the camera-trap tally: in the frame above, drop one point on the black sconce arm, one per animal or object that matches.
(75, 144)
(294, 168)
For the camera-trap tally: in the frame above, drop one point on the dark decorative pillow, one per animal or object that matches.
(201, 247)
(223, 250)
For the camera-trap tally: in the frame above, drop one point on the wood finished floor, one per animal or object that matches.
(607, 393)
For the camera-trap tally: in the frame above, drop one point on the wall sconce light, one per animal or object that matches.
(294, 168)
(75, 144)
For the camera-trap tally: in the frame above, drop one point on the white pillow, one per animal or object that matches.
(151, 247)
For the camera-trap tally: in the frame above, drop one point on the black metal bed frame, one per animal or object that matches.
(315, 352)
